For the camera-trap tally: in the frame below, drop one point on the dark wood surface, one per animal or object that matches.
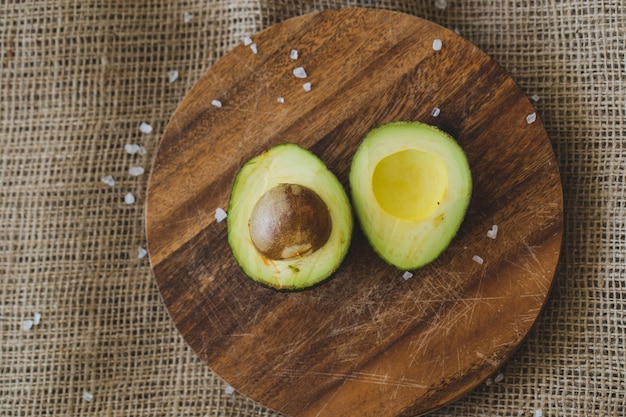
(368, 342)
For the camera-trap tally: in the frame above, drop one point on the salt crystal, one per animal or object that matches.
(108, 180)
(281, 100)
(489, 381)
(145, 128)
(441, 4)
(131, 148)
(493, 232)
(437, 44)
(407, 275)
(141, 252)
(539, 412)
(220, 215)
(253, 48)
(229, 390)
(87, 396)
(187, 16)
(129, 198)
(534, 98)
(172, 76)
(299, 72)
(499, 378)
(293, 54)
(436, 111)
(531, 118)
(216, 103)
(247, 41)
(307, 87)
(27, 324)
(136, 171)
(478, 259)
(142, 151)
(37, 318)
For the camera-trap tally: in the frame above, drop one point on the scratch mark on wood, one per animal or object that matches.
(371, 378)
(487, 359)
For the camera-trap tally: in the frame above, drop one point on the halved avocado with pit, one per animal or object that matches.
(411, 185)
(289, 219)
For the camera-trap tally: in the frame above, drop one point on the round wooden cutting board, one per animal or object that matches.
(369, 342)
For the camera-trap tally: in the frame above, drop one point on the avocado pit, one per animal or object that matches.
(288, 221)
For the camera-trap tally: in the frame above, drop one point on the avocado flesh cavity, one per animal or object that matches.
(411, 185)
(276, 170)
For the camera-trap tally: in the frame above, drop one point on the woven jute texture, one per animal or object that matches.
(83, 329)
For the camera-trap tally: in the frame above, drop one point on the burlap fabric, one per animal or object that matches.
(83, 328)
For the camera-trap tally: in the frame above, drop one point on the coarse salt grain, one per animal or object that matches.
(131, 148)
(229, 390)
(136, 171)
(293, 54)
(478, 259)
(27, 324)
(281, 100)
(36, 318)
(87, 396)
(535, 98)
(407, 275)
(142, 151)
(493, 232)
(499, 378)
(220, 214)
(141, 252)
(253, 48)
(187, 16)
(539, 412)
(145, 128)
(531, 118)
(489, 381)
(437, 44)
(129, 198)
(247, 41)
(108, 180)
(441, 4)
(172, 76)
(436, 111)
(306, 87)
(299, 72)
(216, 103)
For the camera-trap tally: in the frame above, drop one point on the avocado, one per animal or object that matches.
(411, 185)
(289, 219)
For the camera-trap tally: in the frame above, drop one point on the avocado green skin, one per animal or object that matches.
(340, 209)
(362, 213)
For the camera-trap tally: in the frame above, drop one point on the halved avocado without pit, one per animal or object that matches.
(411, 185)
(289, 219)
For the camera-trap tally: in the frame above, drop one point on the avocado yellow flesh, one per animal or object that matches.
(288, 164)
(411, 185)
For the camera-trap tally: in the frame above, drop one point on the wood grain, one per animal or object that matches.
(368, 342)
